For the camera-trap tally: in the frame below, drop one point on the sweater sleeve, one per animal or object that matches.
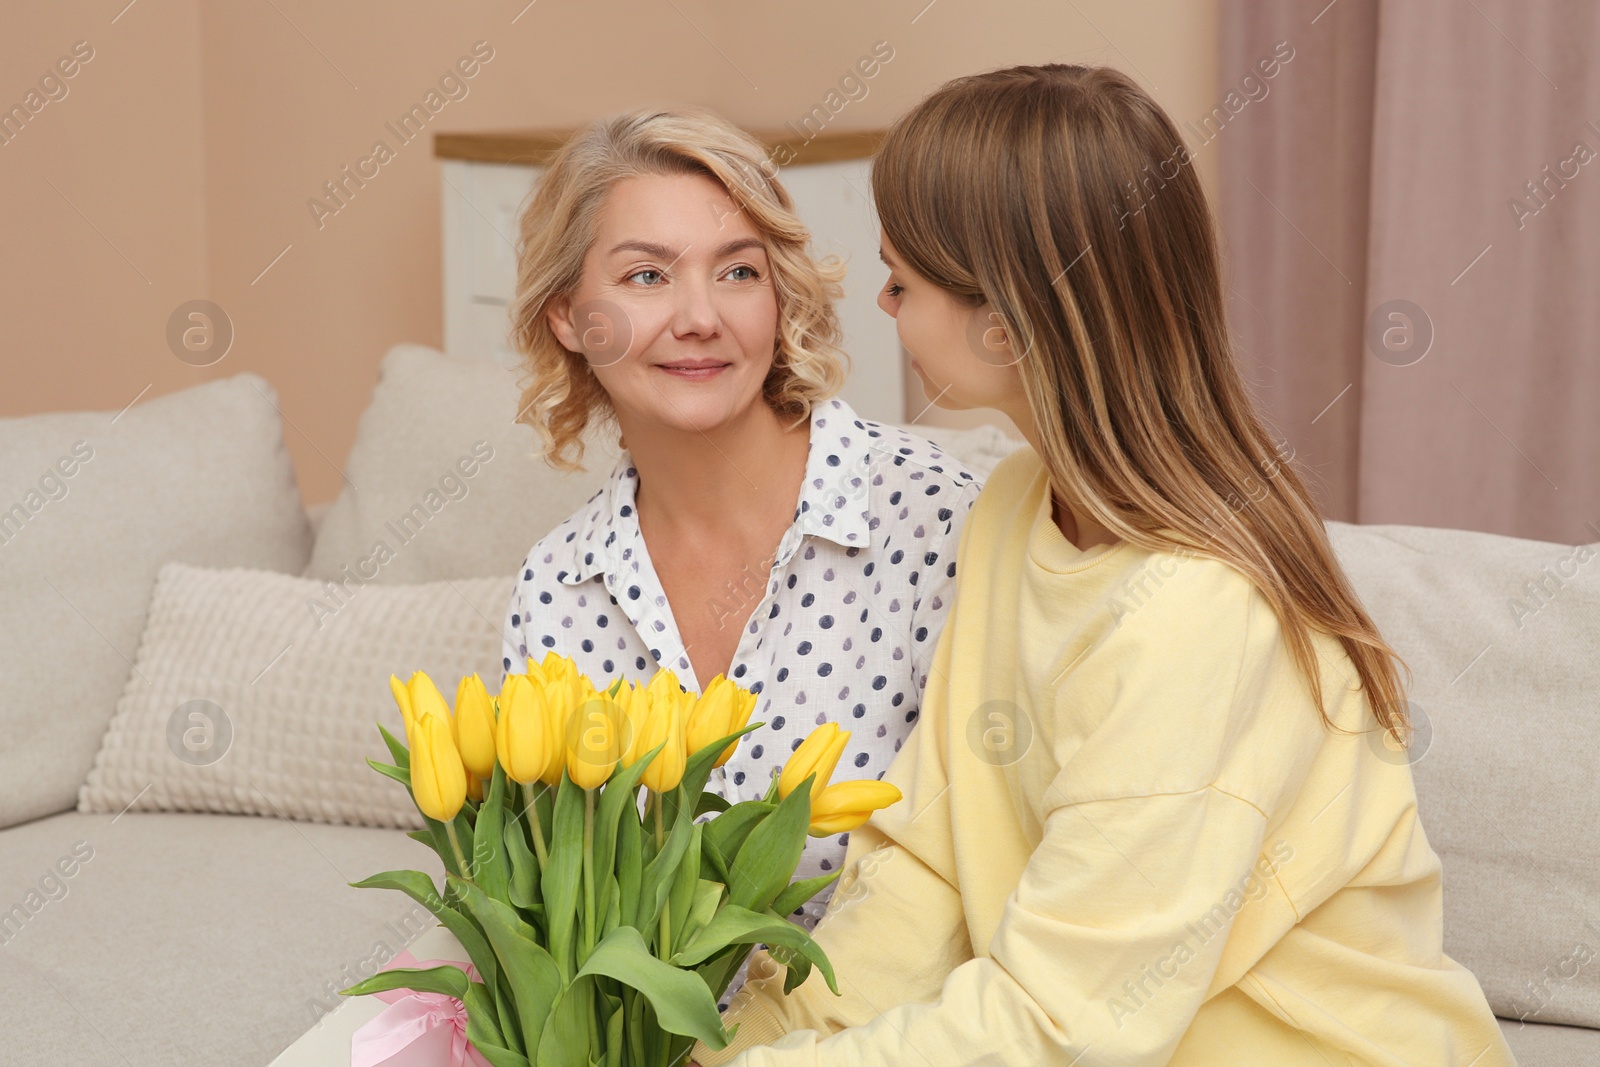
(1115, 932)
(1084, 962)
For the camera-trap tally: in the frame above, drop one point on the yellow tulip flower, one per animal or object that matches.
(635, 711)
(664, 725)
(562, 672)
(474, 727)
(843, 806)
(594, 741)
(500, 699)
(723, 708)
(417, 697)
(426, 698)
(402, 697)
(557, 716)
(522, 732)
(818, 754)
(438, 777)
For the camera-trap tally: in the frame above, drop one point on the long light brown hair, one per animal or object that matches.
(559, 224)
(1065, 198)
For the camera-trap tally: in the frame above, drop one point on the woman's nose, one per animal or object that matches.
(885, 302)
(695, 313)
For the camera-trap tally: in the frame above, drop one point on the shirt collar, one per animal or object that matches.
(832, 504)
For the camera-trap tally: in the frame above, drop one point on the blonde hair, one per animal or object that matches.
(1062, 195)
(560, 393)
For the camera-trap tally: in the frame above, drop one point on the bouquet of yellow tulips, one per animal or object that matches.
(604, 925)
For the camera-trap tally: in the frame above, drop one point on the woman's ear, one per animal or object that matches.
(558, 313)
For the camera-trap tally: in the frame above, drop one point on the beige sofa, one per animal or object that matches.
(135, 936)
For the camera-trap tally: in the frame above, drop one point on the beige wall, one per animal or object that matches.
(180, 163)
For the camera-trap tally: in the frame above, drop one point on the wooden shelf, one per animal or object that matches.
(533, 147)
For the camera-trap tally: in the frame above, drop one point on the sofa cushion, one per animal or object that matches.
(1547, 1045)
(91, 504)
(1503, 637)
(259, 693)
(441, 483)
(187, 938)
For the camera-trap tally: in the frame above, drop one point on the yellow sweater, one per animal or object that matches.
(1126, 838)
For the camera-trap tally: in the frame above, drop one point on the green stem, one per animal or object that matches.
(539, 849)
(455, 846)
(588, 873)
(665, 947)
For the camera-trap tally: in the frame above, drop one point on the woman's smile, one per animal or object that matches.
(694, 370)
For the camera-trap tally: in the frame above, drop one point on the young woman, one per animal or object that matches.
(1148, 817)
(754, 526)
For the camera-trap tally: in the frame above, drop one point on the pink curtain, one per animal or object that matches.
(1411, 215)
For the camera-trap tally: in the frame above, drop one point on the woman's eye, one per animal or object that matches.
(895, 289)
(751, 275)
(647, 270)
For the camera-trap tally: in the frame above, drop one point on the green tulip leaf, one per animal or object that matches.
(659, 872)
(399, 774)
(681, 896)
(497, 1056)
(613, 914)
(726, 834)
(796, 971)
(533, 976)
(499, 1011)
(735, 925)
(620, 793)
(709, 802)
(441, 839)
(614, 1038)
(682, 1003)
(560, 881)
(766, 861)
(483, 1023)
(420, 888)
(488, 857)
(707, 898)
(451, 981)
(397, 749)
(797, 893)
(630, 865)
(637, 1006)
(565, 1041)
(522, 889)
(719, 970)
(697, 770)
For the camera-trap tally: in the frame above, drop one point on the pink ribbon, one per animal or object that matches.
(417, 1029)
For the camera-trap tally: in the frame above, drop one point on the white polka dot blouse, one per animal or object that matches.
(845, 626)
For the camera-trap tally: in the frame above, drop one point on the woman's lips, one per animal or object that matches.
(693, 373)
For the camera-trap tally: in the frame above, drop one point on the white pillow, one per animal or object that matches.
(259, 693)
(443, 479)
(91, 504)
(1503, 635)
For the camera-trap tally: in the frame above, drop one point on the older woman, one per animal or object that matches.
(754, 525)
